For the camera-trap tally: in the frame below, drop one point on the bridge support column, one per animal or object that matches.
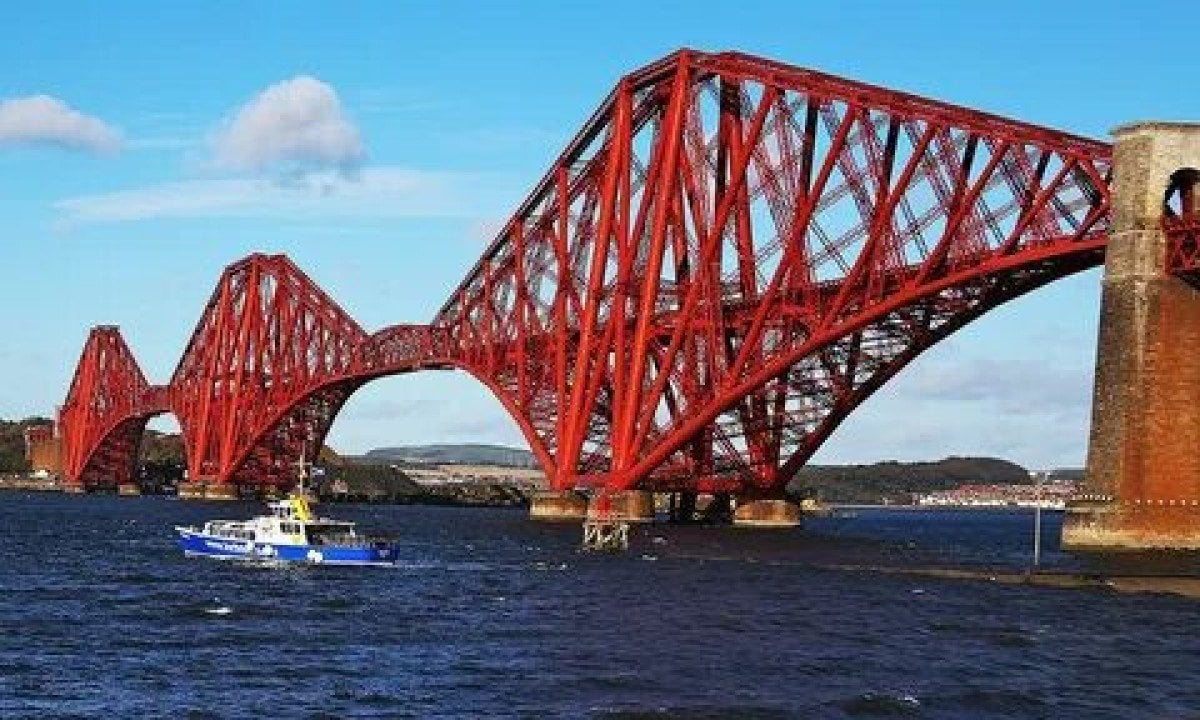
(1142, 485)
(552, 505)
(129, 489)
(208, 490)
(769, 513)
(191, 491)
(73, 488)
(682, 507)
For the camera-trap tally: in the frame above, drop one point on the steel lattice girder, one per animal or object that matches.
(729, 257)
(690, 288)
(1181, 223)
(107, 406)
(267, 341)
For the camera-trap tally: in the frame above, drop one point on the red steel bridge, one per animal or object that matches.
(727, 259)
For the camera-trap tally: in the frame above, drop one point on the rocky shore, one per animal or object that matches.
(399, 491)
(29, 484)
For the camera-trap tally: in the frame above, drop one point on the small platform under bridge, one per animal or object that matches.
(602, 529)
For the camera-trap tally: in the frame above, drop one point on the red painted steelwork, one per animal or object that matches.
(1181, 223)
(265, 371)
(733, 253)
(105, 412)
(729, 257)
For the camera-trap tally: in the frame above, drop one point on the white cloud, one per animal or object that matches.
(1014, 386)
(376, 192)
(297, 123)
(1002, 403)
(48, 120)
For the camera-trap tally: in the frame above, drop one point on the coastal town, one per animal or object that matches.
(1052, 495)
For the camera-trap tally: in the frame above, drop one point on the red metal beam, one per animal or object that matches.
(726, 260)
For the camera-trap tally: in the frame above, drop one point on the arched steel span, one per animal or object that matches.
(106, 410)
(728, 258)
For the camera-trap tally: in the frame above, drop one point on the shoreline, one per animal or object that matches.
(498, 495)
(489, 495)
(1181, 585)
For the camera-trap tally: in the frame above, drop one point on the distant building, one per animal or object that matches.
(43, 450)
(1049, 496)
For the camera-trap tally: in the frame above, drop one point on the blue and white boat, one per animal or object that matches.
(291, 533)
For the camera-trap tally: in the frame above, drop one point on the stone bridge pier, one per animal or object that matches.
(1142, 484)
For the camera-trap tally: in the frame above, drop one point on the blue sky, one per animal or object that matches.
(154, 178)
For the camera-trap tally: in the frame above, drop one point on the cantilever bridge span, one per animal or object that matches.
(727, 259)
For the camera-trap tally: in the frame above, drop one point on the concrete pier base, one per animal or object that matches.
(129, 490)
(221, 491)
(556, 506)
(767, 514)
(632, 506)
(73, 488)
(1109, 527)
(200, 490)
(190, 491)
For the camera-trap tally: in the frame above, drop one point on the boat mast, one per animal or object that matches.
(302, 466)
(299, 498)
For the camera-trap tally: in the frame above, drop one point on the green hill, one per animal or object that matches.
(895, 482)
(447, 454)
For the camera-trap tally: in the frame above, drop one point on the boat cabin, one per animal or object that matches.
(291, 522)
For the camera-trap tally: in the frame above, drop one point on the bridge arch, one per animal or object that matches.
(270, 457)
(113, 461)
(856, 387)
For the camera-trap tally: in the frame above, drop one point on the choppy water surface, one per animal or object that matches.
(490, 615)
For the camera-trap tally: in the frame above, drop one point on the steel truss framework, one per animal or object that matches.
(106, 410)
(1181, 224)
(729, 257)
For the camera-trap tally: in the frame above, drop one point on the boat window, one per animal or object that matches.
(234, 533)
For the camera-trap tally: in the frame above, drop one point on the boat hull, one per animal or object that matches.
(197, 544)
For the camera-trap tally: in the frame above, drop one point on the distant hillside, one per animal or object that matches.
(896, 482)
(162, 448)
(466, 454)
(888, 481)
